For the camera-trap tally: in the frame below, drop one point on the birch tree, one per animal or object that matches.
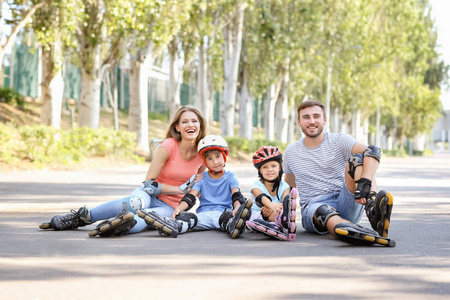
(232, 33)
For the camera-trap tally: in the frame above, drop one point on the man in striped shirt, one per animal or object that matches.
(334, 175)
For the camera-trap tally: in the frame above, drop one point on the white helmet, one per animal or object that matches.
(213, 142)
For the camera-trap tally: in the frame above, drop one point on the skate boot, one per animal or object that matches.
(359, 235)
(169, 226)
(117, 226)
(378, 210)
(269, 228)
(288, 215)
(71, 221)
(235, 225)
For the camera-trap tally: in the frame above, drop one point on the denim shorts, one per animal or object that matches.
(343, 201)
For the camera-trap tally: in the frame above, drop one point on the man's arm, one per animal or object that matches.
(290, 179)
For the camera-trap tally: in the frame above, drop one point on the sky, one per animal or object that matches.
(440, 12)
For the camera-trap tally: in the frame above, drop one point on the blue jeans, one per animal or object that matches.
(112, 208)
(343, 202)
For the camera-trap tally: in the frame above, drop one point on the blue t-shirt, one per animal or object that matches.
(259, 185)
(215, 194)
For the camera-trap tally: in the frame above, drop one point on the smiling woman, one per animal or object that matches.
(175, 168)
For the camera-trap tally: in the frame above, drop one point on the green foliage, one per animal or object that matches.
(249, 147)
(10, 96)
(41, 144)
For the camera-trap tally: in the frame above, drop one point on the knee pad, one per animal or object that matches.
(237, 196)
(151, 187)
(324, 212)
(132, 203)
(354, 161)
(189, 199)
(258, 199)
(373, 151)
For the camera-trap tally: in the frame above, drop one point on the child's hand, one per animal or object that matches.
(176, 212)
(266, 212)
(235, 209)
(276, 207)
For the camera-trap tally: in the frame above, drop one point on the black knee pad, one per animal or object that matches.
(324, 212)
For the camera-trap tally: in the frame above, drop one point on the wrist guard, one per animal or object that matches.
(363, 188)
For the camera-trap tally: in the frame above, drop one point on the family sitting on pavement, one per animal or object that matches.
(333, 175)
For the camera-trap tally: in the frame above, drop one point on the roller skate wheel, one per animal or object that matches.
(105, 227)
(149, 219)
(385, 234)
(140, 213)
(260, 228)
(239, 223)
(282, 237)
(128, 216)
(293, 228)
(250, 223)
(271, 232)
(167, 230)
(390, 198)
(294, 204)
(341, 231)
(93, 233)
(293, 216)
(235, 234)
(386, 224)
(115, 222)
(244, 213)
(294, 193)
(382, 241)
(157, 224)
(44, 226)
(369, 238)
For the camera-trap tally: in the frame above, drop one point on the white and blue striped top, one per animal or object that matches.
(321, 170)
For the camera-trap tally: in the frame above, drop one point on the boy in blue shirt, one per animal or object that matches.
(222, 206)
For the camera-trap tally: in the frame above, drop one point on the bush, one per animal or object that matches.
(10, 96)
(40, 144)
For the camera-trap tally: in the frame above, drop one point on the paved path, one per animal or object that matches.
(36, 264)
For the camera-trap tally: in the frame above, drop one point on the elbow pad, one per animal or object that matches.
(373, 151)
(258, 199)
(189, 199)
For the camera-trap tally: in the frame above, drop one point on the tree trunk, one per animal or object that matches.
(52, 86)
(174, 79)
(232, 51)
(269, 109)
(202, 83)
(138, 110)
(281, 111)
(89, 111)
(292, 124)
(245, 103)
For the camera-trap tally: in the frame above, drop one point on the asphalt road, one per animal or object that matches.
(38, 264)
